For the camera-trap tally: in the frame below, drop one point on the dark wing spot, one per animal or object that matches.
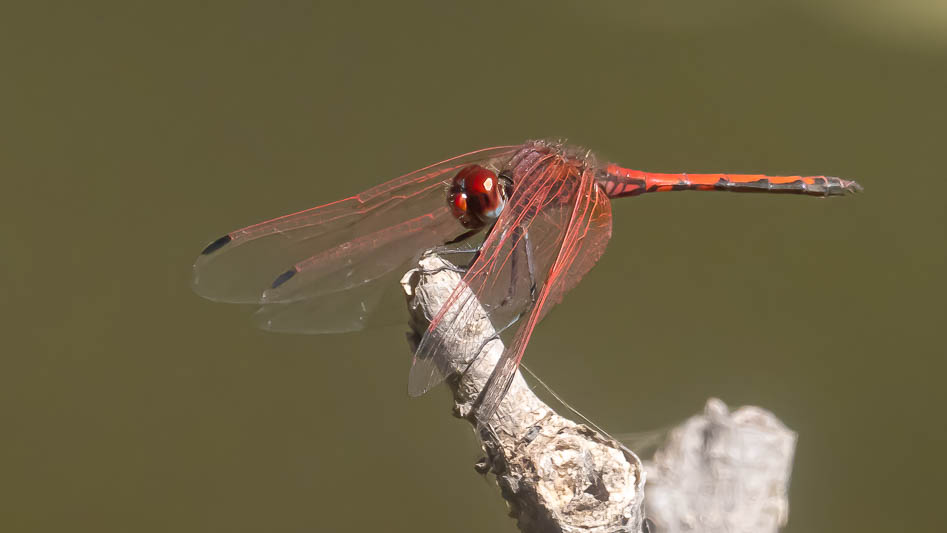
(216, 245)
(283, 278)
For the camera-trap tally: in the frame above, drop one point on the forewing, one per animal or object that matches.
(292, 263)
(338, 289)
(335, 312)
(239, 266)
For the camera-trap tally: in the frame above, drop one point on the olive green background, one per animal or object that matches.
(133, 133)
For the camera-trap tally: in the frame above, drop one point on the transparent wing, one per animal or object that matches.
(586, 236)
(292, 264)
(336, 312)
(558, 214)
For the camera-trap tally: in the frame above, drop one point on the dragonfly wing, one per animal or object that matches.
(362, 259)
(336, 312)
(324, 244)
(338, 289)
(587, 233)
(563, 214)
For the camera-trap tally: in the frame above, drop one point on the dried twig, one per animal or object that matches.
(555, 474)
(718, 471)
(723, 472)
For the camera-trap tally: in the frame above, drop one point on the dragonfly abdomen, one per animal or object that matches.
(618, 182)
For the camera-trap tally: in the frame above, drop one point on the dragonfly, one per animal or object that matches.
(539, 214)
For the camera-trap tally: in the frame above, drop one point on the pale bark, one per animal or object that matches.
(558, 475)
(722, 472)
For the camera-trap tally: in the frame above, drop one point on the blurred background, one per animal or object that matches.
(131, 134)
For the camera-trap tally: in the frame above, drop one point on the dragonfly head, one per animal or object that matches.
(477, 196)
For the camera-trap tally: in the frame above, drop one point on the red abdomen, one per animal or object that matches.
(619, 181)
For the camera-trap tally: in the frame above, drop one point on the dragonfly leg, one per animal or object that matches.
(527, 248)
(447, 249)
(530, 268)
(462, 237)
(447, 267)
(491, 338)
(483, 345)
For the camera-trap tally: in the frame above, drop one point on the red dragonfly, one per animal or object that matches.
(541, 208)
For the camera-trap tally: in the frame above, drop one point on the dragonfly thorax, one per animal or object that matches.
(477, 196)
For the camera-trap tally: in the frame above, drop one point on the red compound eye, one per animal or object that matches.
(459, 204)
(482, 183)
(475, 196)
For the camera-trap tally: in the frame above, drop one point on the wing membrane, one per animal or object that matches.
(339, 247)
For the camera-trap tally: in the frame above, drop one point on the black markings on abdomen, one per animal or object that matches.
(748, 186)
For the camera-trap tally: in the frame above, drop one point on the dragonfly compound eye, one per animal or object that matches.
(458, 204)
(476, 197)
